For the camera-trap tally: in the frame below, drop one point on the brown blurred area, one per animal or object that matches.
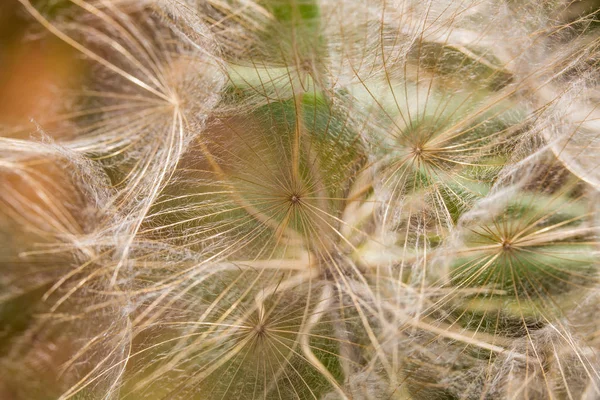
(581, 7)
(34, 68)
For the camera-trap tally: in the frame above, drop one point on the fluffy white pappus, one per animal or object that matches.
(307, 199)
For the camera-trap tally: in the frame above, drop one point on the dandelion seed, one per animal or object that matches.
(306, 199)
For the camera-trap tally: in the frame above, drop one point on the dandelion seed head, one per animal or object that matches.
(307, 199)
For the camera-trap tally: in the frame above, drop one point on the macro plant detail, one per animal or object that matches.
(305, 199)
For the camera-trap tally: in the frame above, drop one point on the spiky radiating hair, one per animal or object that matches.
(283, 199)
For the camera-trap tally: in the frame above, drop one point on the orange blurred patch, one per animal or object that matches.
(31, 79)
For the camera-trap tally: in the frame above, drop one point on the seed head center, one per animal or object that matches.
(418, 151)
(260, 331)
